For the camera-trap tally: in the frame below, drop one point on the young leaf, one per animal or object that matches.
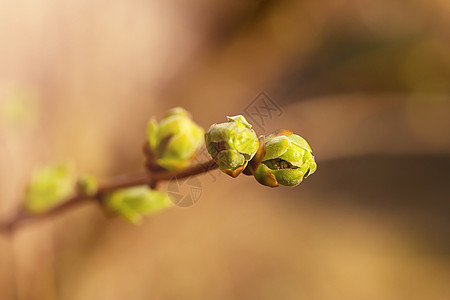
(135, 202)
(48, 187)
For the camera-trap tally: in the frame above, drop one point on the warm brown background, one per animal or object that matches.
(366, 82)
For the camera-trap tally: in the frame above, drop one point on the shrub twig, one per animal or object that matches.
(22, 216)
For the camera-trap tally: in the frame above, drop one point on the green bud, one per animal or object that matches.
(87, 185)
(48, 187)
(135, 202)
(286, 161)
(232, 144)
(173, 142)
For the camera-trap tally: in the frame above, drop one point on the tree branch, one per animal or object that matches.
(22, 216)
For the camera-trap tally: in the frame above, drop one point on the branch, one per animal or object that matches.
(22, 216)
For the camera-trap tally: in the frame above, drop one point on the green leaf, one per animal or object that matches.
(135, 202)
(230, 159)
(294, 154)
(181, 147)
(275, 147)
(264, 176)
(246, 142)
(178, 111)
(220, 132)
(312, 168)
(299, 141)
(49, 186)
(288, 177)
(171, 126)
(152, 131)
(239, 119)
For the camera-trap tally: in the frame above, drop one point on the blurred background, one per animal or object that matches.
(367, 83)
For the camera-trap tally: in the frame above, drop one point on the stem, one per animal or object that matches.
(22, 216)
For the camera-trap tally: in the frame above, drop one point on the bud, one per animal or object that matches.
(48, 187)
(87, 185)
(135, 202)
(232, 144)
(173, 143)
(287, 160)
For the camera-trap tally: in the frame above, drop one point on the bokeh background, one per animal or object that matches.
(367, 83)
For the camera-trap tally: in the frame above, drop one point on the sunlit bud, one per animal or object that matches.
(174, 142)
(232, 144)
(287, 160)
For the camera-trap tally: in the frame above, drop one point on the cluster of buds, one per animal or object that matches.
(279, 158)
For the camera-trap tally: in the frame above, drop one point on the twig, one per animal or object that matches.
(22, 216)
